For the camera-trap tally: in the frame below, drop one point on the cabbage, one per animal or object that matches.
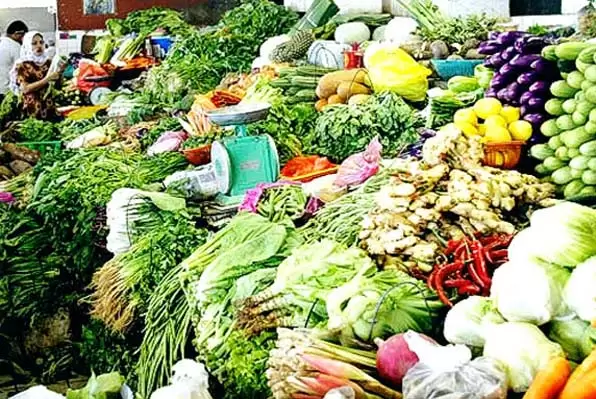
(580, 292)
(523, 349)
(467, 321)
(577, 337)
(562, 235)
(530, 292)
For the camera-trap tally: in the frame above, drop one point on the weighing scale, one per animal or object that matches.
(241, 162)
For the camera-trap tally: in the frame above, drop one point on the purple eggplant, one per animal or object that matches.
(530, 45)
(545, 68)
(537, 139)
(526, 97)
(508, 71)
(508, 38)
(527, 78)
(493, 35)
(524, 110)
(536, 103)
(489, 47)
(524, 61)
(491, 92)
(496, 61)
(514, 91)
(508, 54)
(535, 119)
(540, 88)
(499, 81)
(501, 94)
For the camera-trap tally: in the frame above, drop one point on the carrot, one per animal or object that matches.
(587, 366)
(583, 388)
(550, 381)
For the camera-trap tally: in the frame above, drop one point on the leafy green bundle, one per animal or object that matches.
(345, 130)
(147, 21)
(199, 61)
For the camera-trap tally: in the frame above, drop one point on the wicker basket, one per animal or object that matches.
(503, 155)
(198, 156)
(447, 69)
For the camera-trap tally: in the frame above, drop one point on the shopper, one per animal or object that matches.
(10, 48)
(30, 77)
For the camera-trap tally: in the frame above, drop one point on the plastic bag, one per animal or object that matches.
(167, 142)
(341, 393)
(359, 167)
(482, 378)
(392, 69)
(190, 381)
(38, 392)
(197, 184)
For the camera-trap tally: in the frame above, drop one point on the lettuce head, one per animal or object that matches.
(580, 291)
(576, 337)
(467, 322)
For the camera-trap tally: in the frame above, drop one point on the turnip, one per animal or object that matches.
(394, 357)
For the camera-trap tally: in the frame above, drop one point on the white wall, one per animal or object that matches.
(26, 3)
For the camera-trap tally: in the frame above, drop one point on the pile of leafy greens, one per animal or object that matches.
(198, 62)
(345, 130)
(147, 21)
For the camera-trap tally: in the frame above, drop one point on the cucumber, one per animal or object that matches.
(555, 142)
(565, 122)
(592, 164)
(288, 71)
(582, 66)
(541, 170)
(573, 152)
(576, 137)
(306, 82)
(306, 95)
(562, 176)
(562, 153)
(591, 73)
(570, 51)
(576, 173)
(575, 79)
(579, 162)
(561, 89)
(553, 163)
(589, 177)
(550, 128)
(590, 127)
(542, 151)
(587, 55)
(281, 83)
(586, 84)
(569, 106)
(588, 190)
(549, 53)
(313, 70)
(554, 106)
(573, 188)
(588, 149)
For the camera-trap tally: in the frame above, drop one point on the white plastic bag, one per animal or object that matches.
(38, 392)
(481, 378)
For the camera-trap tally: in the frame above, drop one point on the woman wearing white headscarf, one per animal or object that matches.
(31, 79)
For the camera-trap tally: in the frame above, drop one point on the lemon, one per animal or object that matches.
(497, 134)
(495, 120)
(499, 159)
(486, 107)
(467, 129)
(482, 129)
(520, 130)
(511, 114)
(466, 115)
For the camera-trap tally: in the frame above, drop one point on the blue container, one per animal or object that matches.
(447, 69)
(164, 42)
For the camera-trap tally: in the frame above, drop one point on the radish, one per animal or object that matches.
(395, 358)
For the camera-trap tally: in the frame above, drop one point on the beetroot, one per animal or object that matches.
(394, 358)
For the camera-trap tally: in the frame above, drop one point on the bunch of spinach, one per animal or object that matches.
(347, 129)
(147, 21)
(37, 130)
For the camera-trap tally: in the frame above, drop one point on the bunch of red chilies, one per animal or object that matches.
(469, 266)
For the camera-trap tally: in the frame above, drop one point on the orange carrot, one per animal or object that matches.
(587, 366)
(584, 388)
(550, 381)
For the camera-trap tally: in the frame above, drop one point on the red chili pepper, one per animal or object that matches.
(473, 267)
(500, 254)
(430, 280)
(469, 289)
(480, 263)
(461, 251)
(440, 277)
(456, 283)
(488, 256)
(452, 245)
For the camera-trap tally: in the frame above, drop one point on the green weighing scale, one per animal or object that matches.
(241, 162)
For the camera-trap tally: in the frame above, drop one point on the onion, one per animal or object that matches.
(394, 358)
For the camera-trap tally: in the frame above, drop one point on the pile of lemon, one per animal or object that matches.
(493, 121)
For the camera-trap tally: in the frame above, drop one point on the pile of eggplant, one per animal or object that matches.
(15, 160)
(522, 77)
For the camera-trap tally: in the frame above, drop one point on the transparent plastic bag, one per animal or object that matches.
(392, 69)
(482, 378)
(358, 168)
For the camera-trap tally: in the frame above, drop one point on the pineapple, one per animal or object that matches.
(295, 49)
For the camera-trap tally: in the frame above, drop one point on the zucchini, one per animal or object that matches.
(306, 82)
(588, 149)
(562, 176)
(589, 177)
(541, 151)
(579, 162)
(283, 83)
(573, 188)
(570, 51)
(313, 70)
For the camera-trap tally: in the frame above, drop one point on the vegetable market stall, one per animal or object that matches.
(409, 247)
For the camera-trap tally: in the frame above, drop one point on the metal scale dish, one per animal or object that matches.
(241, 161)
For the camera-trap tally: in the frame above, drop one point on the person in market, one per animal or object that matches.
(10, 49)
(31, 77)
